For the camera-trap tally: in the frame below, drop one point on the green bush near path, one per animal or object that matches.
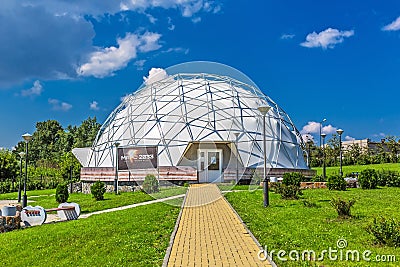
(292, 225)
(133, 237)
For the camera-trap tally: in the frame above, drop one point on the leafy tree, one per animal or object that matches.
(8, 165)
(67, 162)
(85, 134)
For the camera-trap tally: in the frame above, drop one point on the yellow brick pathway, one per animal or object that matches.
(211, 234)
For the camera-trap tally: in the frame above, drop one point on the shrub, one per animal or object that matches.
(186, 184)
(309, 204)
(288, 191)
(385, 231)
(293, 178)
(392, 178)
(342, 207)
(62, 193)
(98, 189)
(150, 184)
(318, 178)
(368, 179)
(336, 182)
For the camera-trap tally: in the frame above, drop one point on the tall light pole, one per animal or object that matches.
(21, 155)
(309, 150)
(27, 137)
(264, 110)
(237, 156)
(340, 132)
(323, 156)
(320, 130)
(116, 144)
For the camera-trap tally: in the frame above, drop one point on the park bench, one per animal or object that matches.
(68, 211)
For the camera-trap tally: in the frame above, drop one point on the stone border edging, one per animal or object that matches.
(248, 230)
(172, 238)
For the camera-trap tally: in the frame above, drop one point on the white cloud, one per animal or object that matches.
(35, 90)
(196, 19)
(307, 137)
(94, 105)
(326, 39)
(152, 19)
(139, 64)
(58, 105)
(155, 75)
(349, 138)
(171, 26)
(188, 8)
(287, 36)
(329, 129)
(106, 61)
(394, 26)
(312, 127)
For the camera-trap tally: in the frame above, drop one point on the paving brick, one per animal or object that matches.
(210, 233)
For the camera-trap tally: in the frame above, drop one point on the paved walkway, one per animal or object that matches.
(210, 233)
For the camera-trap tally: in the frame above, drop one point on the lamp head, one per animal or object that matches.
(264, 110)
(323, 135)
(339, 131)
(21, 154)
(117, 144)
(27, 137)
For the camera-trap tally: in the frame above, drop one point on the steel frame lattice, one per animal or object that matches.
(188, 107)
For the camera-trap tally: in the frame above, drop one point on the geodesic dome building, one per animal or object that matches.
(200, 115)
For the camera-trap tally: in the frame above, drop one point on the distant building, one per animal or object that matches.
(366, 145)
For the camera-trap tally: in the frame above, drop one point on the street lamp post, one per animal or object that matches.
(340, 132)
(264, 110)
(320, 131)
(309, 151)
(27, 137)
(116, 168)
(323, 156)
(237, 156)
(21, 155)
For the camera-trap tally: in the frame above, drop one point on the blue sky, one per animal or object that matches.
(68, 60)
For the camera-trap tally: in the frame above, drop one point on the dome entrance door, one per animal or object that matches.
(210, 165)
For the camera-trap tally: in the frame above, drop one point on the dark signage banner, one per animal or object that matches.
(131, 158)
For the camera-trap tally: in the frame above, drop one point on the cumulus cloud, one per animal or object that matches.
(155, 75)
(327, 38)
(35, 90)
(58, 105)
(287, 36)
(349, 138)
(35, 43)
(329, 129)
(94, 105)
(107, 60)
(394, 26)
(313, 127)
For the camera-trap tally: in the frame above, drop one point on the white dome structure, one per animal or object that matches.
(184, 112)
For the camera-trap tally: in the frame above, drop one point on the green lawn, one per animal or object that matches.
(289, 225)
(133, 237)
(359, 168)
(46, 198)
